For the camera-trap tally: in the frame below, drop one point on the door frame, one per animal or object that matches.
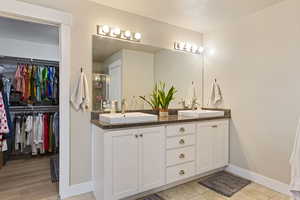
(29, 12)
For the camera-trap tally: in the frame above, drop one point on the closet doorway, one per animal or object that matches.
(29, 105)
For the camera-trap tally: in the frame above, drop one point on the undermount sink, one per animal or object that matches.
(200, 113)
(132, 117)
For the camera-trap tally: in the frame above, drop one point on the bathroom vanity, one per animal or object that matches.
(129, 159)
(136, 153)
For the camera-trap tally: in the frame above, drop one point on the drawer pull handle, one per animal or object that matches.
(181, 156)
(181, 141)
(141, 135)
(182, 130)
(215, 126)
(136, 136)
(181, 172)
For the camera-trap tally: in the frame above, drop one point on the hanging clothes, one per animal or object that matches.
(46, 131)
(18, 79)
(6, 88)
(17, 132)
(4, 129)
(37, 84)
(56, 130)
(28, 130)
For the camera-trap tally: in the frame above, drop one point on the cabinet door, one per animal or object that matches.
(221, 144)
(125, 163)
(205, 145)
(152, 158)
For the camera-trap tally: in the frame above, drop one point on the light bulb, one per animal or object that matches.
(127, 34)
(212, 52)
(200, 49)
(181, 45)
(194, 48)
(117, 31)
(137, 36)
(105, 29)
(188, 46)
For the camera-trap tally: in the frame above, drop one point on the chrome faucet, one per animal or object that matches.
(123, 106)
(183, 103)
(194, 104)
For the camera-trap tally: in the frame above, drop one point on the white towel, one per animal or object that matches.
(295, 166)
(215, 94)
(80, 95)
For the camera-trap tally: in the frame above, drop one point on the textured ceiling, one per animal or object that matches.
(197, 15)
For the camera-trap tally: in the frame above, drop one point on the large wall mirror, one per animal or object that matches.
(126, 70)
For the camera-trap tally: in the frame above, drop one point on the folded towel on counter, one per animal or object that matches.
(295, 166)
(215, 94)
(80, 95)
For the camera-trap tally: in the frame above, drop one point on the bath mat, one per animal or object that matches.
(224, 183)
(54, 168)
(151, 197)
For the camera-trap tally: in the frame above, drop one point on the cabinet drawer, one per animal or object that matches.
(180, 172)
(183, 141)
(174, 130)
(178, 156)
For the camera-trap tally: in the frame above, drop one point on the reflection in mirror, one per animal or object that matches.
(126, 70)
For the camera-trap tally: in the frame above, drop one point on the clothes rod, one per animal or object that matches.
(33, 108)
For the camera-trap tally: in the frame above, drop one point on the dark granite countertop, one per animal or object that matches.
(163, 120)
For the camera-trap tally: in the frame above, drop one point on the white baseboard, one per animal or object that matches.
(260, 179)
(77, 189)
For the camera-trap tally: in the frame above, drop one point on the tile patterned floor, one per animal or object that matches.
(194, 191)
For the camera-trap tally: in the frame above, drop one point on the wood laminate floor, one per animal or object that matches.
(30, 180)
(27, 180)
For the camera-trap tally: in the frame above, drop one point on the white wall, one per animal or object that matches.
(257, 65)
(26, 49)
(180, 70)
(138, 77)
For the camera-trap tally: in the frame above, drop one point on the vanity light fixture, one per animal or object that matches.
(188, 47)
(105, 29)
(115, 32)
(137, 36)
(201, 49)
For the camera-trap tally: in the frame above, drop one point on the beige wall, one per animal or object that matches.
(257, 65)
(86, 15)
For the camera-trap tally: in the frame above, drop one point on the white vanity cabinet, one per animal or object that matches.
(130, 161)
(152, 158)
(134, 161)
(212, 145)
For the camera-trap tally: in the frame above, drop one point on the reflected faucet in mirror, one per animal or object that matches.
(194, 104)
(123, 106)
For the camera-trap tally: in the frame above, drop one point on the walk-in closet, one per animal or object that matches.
(29, 109)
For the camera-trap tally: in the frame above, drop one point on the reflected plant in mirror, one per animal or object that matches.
(154, 99)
